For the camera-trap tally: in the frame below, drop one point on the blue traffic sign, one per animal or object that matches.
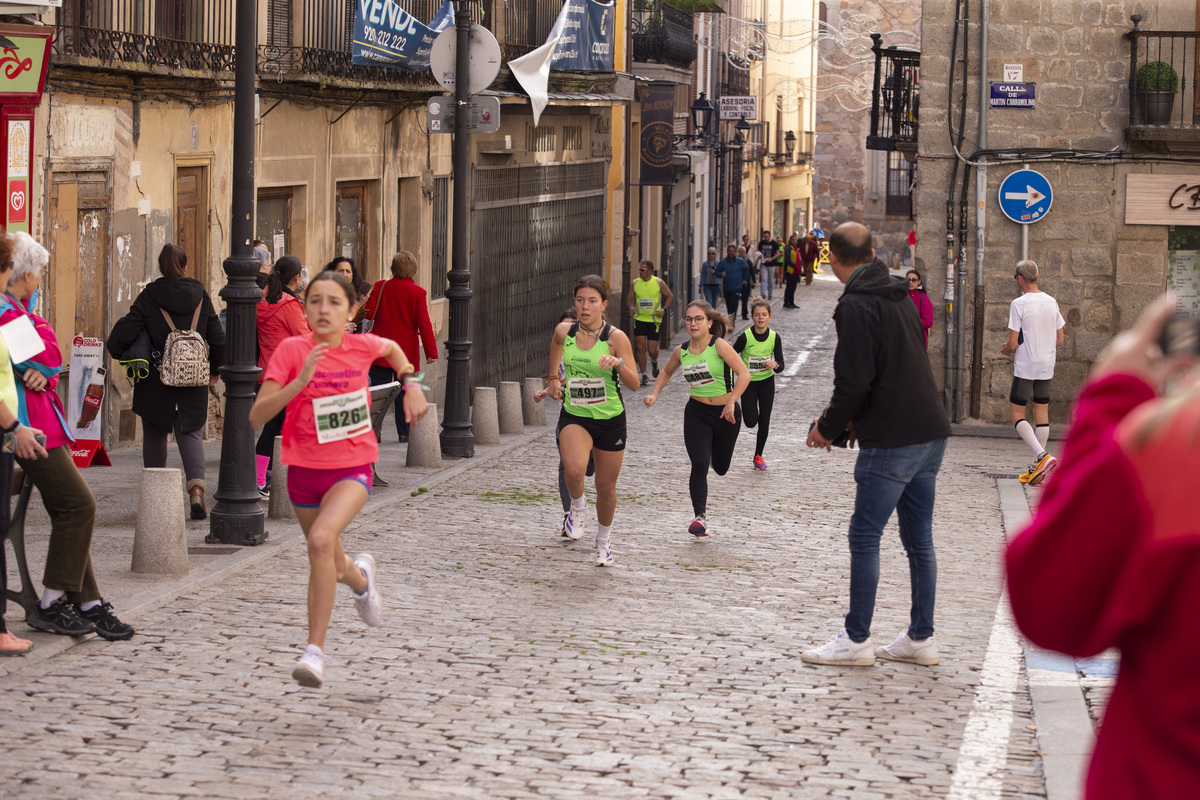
(1025, 196)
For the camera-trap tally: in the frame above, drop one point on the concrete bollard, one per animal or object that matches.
(534, 413)
(511, 419)
(160, 538)
(425, 442)
(279, 506)
(485, 422)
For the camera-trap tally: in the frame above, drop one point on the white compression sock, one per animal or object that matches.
(578, 503)
(1043, 435)
(49, 596)
(602, 532)
(1026, 432)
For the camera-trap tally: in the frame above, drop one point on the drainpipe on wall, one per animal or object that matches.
(980, 222)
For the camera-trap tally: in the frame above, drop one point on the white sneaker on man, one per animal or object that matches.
(842, 651)
(912, 651)
(310, 671)
(369, 607)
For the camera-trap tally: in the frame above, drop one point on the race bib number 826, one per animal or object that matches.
(341, 416)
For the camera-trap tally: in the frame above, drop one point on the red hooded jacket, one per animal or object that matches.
(276, 322)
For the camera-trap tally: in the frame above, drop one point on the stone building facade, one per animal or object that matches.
(853, 183)
(1106, 247)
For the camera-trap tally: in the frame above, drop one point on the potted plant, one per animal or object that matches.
(1156, 83)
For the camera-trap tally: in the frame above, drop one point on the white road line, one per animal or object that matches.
(801, 358)
(984, 751)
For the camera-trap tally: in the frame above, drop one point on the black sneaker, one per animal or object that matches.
(107, 624)
(60, 617)
(654, 366)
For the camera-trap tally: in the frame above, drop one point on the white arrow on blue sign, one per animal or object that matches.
(1025, 196)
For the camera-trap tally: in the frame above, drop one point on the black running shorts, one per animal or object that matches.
(607, 434)
(1022, 388)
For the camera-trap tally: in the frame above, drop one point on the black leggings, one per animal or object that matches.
(757, 402)
(709, 441)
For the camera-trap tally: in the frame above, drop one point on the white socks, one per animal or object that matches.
(602, 532)
(578, 503)
(1043, 435)
(49, 596)
(89, 605)
(1026, 432)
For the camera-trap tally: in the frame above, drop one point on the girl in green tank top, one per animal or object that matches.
(762, 353)
(716, 378)
(589, 391)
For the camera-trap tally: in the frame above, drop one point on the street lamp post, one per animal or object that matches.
(237, 518)
(457, 439)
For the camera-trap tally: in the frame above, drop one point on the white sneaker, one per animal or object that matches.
(699, 526)
(370, 609)
(310, 671)
(563, 533)
(923, 652)
(603, 554)
(573, 524)
(842, 651)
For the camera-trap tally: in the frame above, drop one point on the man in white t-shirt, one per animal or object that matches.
(1035, 330)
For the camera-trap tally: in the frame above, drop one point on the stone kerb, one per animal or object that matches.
(512, 420)
(424, 441)
(280, 505)
(160, 538)
(485, 422)
(534, 413)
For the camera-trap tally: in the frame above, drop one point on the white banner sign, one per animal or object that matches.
(738, 107)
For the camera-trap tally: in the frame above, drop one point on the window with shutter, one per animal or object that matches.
(279, 23)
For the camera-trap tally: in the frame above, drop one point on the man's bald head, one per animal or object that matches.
(851, 244)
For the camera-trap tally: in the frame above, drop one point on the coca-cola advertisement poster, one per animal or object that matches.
(86, 388)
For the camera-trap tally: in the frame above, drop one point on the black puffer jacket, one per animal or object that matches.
(882, 379)
(152, 401)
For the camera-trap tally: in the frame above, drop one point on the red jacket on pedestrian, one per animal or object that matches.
(399, 310)
(1111, 558)
(276, 322)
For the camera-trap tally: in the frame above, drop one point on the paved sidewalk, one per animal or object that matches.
(510, 667)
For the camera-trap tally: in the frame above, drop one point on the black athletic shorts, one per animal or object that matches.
(1022, 388)
(647, 329)
(607, 434)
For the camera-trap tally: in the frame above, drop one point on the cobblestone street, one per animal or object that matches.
(508, 666)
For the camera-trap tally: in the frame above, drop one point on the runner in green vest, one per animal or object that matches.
(716, 378)
(762, 353)
(648, 298)
(594, 356)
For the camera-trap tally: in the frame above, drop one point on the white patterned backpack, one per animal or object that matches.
(185, 355)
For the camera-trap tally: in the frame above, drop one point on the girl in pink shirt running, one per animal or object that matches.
(329, 447)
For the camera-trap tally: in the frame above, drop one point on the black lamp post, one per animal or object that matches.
(789, 144)
(702, 109)
(457, 439)
(237, 518)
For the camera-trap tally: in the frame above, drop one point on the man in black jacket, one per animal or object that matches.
(884, 397)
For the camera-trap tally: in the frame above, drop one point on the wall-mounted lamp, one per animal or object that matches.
(789, 143)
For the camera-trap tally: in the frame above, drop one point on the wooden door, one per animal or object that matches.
(191, 220)
(352, 223)
(77, 279)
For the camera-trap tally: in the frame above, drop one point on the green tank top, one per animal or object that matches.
(756, 352)
(589, 391)
(707, 374)
(649, 299)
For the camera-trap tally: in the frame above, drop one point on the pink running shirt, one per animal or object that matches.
(341, 370)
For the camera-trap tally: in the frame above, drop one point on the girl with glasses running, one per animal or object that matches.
(711, 418)
(330, 448)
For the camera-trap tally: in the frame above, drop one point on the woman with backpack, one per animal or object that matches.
(172, 303)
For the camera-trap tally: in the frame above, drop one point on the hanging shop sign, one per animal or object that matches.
(22, 80)
(1013, 95)
(738, 107)
(385, 35)
(658, 128)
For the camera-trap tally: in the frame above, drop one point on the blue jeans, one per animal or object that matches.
(711, 293)
(904, 480)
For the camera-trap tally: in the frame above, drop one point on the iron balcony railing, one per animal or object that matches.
(895, 98)
(662, 34)
(132, 34)
(1163, 87)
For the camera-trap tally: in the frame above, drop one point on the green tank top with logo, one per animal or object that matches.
(649, 299)
(756, 353)
(707, 374)
(589, 391)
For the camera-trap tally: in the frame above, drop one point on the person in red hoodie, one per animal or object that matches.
(398, 309)
(280, 315)
(1111, 558)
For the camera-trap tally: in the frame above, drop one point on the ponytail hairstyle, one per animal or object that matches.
(172, 261)
(592, 282)
(284, 272)
(719, 326)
